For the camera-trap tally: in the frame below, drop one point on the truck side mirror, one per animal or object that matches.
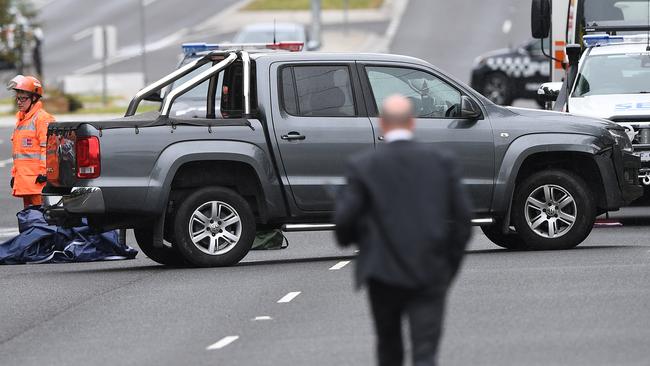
(468, 108)
(548, 92)
(540, 18)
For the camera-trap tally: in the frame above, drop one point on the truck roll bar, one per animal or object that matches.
(163, 82)
(198, 79)
(246, 60)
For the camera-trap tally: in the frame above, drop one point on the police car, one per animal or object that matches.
(613, 82)
(508, 74)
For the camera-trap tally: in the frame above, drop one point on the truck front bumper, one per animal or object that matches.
(70, 208)
(620, 173)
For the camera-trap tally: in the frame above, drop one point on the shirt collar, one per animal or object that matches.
(398, 134)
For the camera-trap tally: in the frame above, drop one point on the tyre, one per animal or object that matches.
(165, 255)
(553, 209)
(214, 227)
(496, 88)
(508, 240)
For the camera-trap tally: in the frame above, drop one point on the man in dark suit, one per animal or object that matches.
(405, 208)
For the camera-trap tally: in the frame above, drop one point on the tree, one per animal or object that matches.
(17, 34)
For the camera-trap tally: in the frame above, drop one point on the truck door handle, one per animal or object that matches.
(293, 136)
(380, 138)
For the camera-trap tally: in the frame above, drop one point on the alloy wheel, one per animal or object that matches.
(215, 227)
(550, 211)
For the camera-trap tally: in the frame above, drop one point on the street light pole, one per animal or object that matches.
(316, 20)
(143, 41)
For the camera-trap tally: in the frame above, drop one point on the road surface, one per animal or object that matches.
(586, 306)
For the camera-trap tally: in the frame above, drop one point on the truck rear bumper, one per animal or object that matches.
(81, 201)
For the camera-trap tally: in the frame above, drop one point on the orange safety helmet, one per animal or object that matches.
(28, 84)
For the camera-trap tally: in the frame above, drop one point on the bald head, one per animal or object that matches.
(397, 113)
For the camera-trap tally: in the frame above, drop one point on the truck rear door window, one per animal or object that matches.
(319, 91)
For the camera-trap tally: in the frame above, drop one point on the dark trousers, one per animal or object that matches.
(424, 310)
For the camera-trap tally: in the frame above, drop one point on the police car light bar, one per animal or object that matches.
(594, 40)
(193, 48)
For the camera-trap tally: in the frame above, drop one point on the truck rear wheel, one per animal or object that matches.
(553, 209)
(214, 227)
(165, 255)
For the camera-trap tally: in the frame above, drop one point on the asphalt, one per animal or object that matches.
(63, 19)
(586, 306)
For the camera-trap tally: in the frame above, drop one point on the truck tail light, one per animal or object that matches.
(88, 159)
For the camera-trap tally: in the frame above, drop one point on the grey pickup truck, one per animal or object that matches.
(267, 149)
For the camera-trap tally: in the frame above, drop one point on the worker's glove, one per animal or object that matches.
(41, 178)
(11, 182)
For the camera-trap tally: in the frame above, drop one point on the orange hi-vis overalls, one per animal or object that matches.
(29, 142)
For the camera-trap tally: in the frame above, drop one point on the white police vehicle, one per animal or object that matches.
(613, 82)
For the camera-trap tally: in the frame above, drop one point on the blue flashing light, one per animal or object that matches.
(193, 48)
(593, 40)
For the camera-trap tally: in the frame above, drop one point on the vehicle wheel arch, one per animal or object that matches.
(242, 178)
(531, 149)
(248, 157)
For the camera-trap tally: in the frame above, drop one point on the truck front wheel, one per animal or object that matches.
(553, 209)
(214, 227)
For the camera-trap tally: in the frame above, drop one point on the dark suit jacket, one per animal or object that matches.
(405, 207)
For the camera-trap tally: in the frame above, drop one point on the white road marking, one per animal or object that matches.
(288, 297)
(9, 235)
(4, 163)
(87, 32)
(339, 265)
(148, 2)
(222, 343)
(263, 317)
(135, 50)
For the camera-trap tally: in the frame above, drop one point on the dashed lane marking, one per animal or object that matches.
(339, 265)
(4, 163)
(222, 343)
(7, 232)
(263, 317)
(288, 297)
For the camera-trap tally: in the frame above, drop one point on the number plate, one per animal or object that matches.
(644, 155)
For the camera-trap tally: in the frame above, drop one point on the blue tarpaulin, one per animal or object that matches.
(39, 242)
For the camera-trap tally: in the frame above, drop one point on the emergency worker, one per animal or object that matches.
(29, 140)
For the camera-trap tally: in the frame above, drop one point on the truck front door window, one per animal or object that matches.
(436, 104)
(431, 97)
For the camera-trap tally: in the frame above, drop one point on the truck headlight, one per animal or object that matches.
(621, 139)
